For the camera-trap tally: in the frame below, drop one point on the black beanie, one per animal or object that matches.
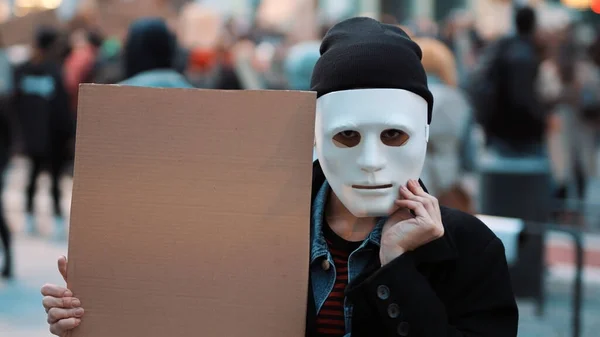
(362, 53)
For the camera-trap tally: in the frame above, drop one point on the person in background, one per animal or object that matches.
(449, 130)
(5, 149)
(423, 26)
(108, 68)
(6, 73)
(42, 109)
(571, 81)
(149, 54)
(299, 64)
(79, 65)
(513, 118)
(6, 138)
(459, 34)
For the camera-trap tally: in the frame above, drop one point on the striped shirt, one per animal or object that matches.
(330, 319)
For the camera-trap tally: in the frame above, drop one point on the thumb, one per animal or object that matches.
(62, 267)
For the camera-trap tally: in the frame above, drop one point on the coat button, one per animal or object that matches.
(383, 292)
(393, 310)
(325, 264)
(403, 329)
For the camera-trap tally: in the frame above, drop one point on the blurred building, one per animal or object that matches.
(492, 17)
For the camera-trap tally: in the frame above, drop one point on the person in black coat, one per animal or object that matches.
(47, 123)
(385, 258)
(386, 263)
(455, 286)
(5, 150)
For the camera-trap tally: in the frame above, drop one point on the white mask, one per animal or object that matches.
(370, 142)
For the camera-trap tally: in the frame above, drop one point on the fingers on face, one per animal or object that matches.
(59, 328)
(56, 291)
(433, 227)
(417, 207)
(414, 191)
(428, 203)
(416, 188)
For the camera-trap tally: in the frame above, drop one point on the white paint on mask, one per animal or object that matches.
(370, 142)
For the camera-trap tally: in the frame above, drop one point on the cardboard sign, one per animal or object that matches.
(190, 212)
(22, 30)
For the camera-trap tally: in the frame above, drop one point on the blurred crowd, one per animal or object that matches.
(530, 96)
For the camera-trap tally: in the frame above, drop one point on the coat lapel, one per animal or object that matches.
(311, 313)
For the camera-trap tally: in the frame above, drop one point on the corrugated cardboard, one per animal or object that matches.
(190, 212)
(22, 30)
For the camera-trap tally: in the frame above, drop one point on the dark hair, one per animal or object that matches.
(95, 38)
(149, 45)
(594, 50)
(45, 37)
(525, 20)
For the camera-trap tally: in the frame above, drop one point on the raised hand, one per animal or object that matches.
(404, 231)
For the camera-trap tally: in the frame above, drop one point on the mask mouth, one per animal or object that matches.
(372, 187)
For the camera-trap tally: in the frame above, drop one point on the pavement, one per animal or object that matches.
(21, 313)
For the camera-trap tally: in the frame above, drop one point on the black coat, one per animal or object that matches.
(5, 137)
(458, 285)
(42, 107)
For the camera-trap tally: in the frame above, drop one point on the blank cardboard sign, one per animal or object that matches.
(190, 212)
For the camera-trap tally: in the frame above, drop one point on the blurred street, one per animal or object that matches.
(22, 315)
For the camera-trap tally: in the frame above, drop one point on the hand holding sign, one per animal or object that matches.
(64, 311)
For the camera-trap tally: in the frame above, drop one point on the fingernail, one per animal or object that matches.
(68, 293)
(77, 322)
(79, 312)
(76, 303)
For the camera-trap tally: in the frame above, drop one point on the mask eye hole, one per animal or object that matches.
(346, 139)
(394, 137)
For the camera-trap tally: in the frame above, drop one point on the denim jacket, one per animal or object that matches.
(323, 280)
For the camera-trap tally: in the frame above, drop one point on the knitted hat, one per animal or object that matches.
(361, 53)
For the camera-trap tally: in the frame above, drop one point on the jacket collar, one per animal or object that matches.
(442, 249)
(318, 243)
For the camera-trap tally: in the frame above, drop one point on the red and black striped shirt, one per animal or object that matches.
(330, 319)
